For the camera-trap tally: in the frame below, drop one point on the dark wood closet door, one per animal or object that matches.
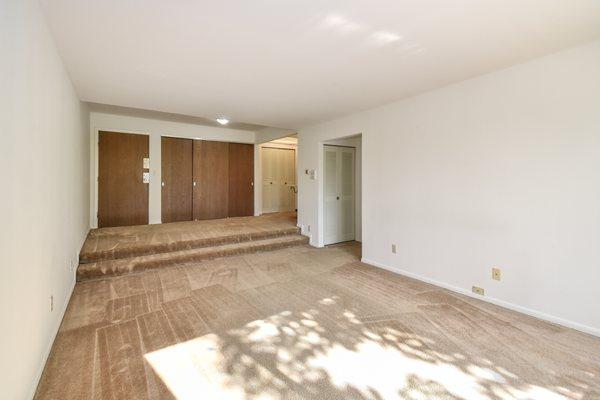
(176, 193)
(241, 179)
(122, 195)
(211, 175)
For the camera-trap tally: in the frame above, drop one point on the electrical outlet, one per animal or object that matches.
(496, 274)
(51, 303)
(478, 290)
(394, 248)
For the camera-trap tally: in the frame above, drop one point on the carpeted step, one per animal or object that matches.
(127, 248)
(152, 261)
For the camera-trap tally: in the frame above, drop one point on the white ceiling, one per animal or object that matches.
(296, 62)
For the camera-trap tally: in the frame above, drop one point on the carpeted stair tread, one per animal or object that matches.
(123, 266)
(126, 250)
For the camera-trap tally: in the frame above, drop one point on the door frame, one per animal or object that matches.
(258, 207)
(95, 165)
(277, 147)
(322, 202)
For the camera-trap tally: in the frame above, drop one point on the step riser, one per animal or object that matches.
(114, 254)
(140, 264)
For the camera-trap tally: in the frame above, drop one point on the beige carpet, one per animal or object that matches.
(305, 323)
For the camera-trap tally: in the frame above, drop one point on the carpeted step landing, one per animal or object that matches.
(112, 263)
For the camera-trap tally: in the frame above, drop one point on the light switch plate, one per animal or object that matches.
(146, 177)
(146, 163)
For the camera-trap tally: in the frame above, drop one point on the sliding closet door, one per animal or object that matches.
(269, 179)
(289, 181)
(241, 179)
(211, 179)
(177, 162)
(338, 194)
(278, 179)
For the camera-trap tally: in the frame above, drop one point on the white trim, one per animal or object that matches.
(534, 313)
(40, 371)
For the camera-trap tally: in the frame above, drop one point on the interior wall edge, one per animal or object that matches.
(55, 329)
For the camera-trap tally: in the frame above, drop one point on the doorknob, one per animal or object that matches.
(194, 184)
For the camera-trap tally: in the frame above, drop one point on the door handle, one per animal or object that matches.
(337, 198)
(194, 184)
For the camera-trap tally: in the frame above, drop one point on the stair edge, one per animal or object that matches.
(153, 261)
(116, 254)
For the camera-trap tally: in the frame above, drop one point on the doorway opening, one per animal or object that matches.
(278, 176)
(342, 190)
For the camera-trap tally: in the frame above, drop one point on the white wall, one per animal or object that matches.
(156, 128)
(45, 179)
(501, 170)
(268, 134)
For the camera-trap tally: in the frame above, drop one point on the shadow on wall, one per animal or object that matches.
(336, 349)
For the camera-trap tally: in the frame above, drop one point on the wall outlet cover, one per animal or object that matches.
(394, 248)
(478, 290)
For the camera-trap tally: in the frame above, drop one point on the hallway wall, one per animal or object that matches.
(45, 180)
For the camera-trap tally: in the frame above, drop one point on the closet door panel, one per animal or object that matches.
(211, 180)
(241, 179)
(339, 192)
(346, 184)
(176, 185)
(331, 209)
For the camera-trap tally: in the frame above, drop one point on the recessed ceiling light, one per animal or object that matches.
(223, 121)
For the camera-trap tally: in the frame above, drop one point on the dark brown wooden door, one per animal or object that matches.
(122, 195)
(177, 166)
(241, 179)
(211, 175)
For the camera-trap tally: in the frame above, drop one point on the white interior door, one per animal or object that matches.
(279, 179)
(338, 194)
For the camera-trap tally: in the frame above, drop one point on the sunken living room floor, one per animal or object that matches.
(305, 323)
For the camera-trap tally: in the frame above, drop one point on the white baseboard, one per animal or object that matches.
(524, 310)
(55, 329)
